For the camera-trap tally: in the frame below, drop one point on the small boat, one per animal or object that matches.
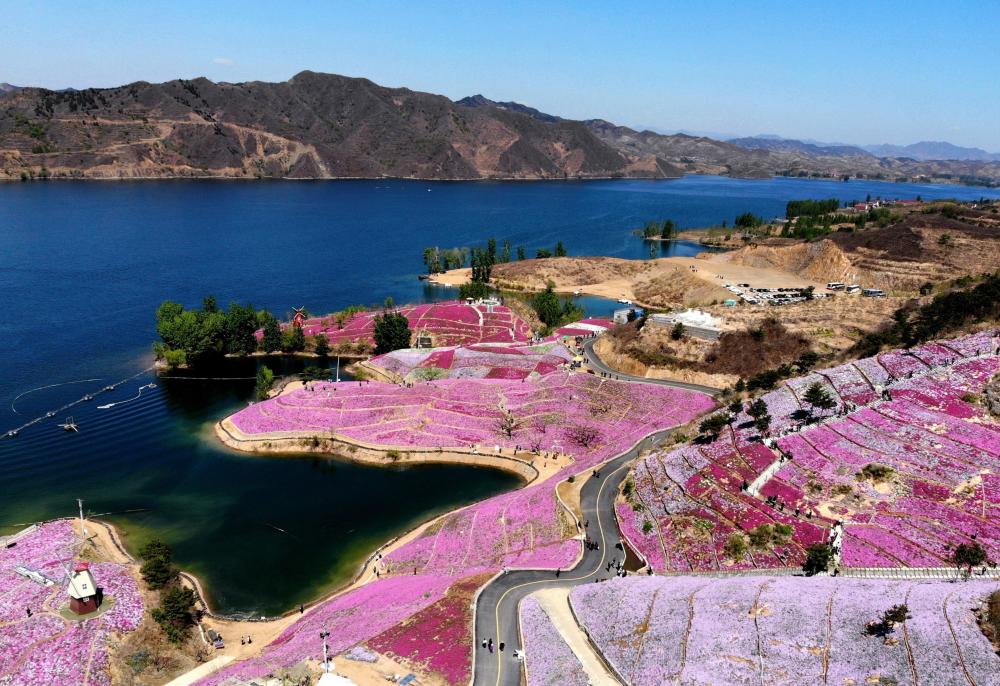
(69, 425)
(88, 397)
(12, 433)
(50, 414)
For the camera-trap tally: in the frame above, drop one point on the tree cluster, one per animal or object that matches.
(175, 611)
(947, 312)
(811, 208)
(193, 336)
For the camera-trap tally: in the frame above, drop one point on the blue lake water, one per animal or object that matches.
(84, 265)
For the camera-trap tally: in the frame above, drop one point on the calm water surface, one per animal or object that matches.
(83, 266)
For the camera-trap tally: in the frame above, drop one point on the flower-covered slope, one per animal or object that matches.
(44, 648)
(907, 411)
(473, 362)
(447, 323)
(784, 631)
(585, 416)
(549, 661)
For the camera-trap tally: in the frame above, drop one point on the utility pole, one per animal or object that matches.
(338, 368)
(83, 522)
(326, 659)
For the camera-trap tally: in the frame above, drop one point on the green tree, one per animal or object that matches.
(209, 304)
(677, 331)
(668, 230)
(543, 253)
(476, 290)
(240, 327)
(293, 340)
(272, 335)
(748, 220)
(546, 305)
(174, 614)
(392, 332)
(762, 423)
(505, 252)
(520, 253)
(265, 382)
(818, 397)
(491, 250)
(818, 557)
(712, 426)
(432, 260)
(969, 555)
(157, 570)
(321, 345)
(758, 408)
(560, 249)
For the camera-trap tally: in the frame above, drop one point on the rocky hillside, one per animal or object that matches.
(902, 256)
(328, 126)
(656, 283)
(312, 126)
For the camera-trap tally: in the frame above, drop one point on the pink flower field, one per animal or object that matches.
(46, 649)
(782, 631)
(943, 488)
(589, 418)
(474, 362)
(447, 323)
(550, 662)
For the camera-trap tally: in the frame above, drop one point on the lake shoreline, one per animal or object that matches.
(498, 180)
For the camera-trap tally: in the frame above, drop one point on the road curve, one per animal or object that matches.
(496, 606)
(598, 365)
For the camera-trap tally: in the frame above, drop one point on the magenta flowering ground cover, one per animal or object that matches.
(786, 631)
(45, 649)
(447, 323)
(548, 660)
(943, 488)
(474, 362)
(581, 415)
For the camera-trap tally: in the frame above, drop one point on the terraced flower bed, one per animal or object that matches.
(447, 323)
(474, 362)
(45, 649)
(589, 418)
(911, 476)
(549, 661)
(784, 631)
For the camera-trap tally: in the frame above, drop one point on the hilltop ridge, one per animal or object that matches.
(318, 125)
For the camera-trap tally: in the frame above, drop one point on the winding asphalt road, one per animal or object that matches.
(496, 606)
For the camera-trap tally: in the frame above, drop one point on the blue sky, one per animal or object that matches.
(834, 71)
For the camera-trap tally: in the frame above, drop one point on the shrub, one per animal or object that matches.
(818, 557)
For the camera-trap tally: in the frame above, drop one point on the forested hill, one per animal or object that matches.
(329, 126)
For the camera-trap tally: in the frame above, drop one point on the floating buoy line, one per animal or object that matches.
(12, 433)
(127, 400)
(42, 388)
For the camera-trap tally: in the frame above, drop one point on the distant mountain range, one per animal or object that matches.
(933, 150)
(923, 151)
(329, 126)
